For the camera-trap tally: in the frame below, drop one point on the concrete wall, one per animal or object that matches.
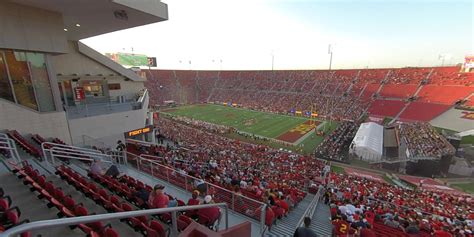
(31, 29)
(128, 88)
(107, 128)
(76, 63)
(26, 121)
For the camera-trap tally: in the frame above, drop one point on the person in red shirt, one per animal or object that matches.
(443, 232)
(210, 214)
(157, 198)
(341, 227)
(193, 201)
(367, 232)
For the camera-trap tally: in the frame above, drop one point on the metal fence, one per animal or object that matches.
(39, 225)
(237, 202)
(8, 147)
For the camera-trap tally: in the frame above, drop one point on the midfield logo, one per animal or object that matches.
(468, 115)
(303, 128)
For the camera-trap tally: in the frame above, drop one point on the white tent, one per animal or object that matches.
(368, 142)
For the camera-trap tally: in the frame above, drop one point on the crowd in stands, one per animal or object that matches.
(422, 140)
(335, 144)
(209, 127)
(259, 172)
(329, 93)
(366, 206)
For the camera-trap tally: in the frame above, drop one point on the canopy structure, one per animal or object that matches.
(368, 142)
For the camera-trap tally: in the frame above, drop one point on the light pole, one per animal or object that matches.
(330, 58)
(273, 59)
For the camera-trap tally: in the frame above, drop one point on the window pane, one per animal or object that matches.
(5, 87)
(41, 82)
(21, 80)
(93, 88)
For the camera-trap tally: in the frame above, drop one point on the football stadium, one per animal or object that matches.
(145, 118)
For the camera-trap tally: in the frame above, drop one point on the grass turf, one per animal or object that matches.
(337, 169)
(467, 139)
(255, 122)
(466, 187)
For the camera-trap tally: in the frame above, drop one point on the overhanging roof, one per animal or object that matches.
(97, 17)
(94, 55)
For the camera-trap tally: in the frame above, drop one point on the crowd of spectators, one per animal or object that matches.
(336, 144)
(259, 172)
(209, 127)
(362, 203)
(422, 140)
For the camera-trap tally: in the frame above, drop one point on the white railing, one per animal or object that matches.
(39, 225)
(9, 145)
(237, 202)
(309, 212)
(53, 151)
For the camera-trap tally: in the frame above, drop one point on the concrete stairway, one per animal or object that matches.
(36, 209)
(31, 207)
(287, 225)
(320, 222)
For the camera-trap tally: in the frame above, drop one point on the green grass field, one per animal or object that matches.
(466, 187)
(254, 122)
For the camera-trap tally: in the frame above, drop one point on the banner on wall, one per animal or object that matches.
(79, 93)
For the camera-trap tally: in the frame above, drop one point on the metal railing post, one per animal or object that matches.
(263, 214)
(185, 182)
(233, 201)
(151, 169)
(226, 217)
(174, 224)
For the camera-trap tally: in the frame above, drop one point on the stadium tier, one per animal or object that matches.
(341, 94)
(386, 108)
(420, 111)
(444, 94)
(400, 91)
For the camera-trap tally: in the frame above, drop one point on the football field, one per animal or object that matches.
(290, 129)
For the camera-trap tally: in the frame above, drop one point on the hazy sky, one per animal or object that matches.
(243, 34)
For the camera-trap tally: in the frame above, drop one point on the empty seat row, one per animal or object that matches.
(24, 144)
(56, 198)
(10, 215)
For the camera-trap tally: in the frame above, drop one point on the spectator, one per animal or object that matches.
(305, 231)
(120, 146)
(157, 198)
(96, 167)
(212, 214)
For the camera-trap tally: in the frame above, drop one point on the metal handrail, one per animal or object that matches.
(11, 146)
(262, 205)
(309, 212)
(37, 225)
(56, 150)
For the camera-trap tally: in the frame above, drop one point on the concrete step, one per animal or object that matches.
(33, 208)
(287, 225)
(320, 222)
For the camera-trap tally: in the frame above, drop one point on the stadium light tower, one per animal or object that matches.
(330, 58)
(273, 59)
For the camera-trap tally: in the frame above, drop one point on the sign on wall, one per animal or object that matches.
(79, 93)
(139, 131)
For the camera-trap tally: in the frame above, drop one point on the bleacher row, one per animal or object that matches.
(112, 194)
(9, 214)
(281, 91)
